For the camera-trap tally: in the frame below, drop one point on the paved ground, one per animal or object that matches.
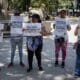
(49, 73)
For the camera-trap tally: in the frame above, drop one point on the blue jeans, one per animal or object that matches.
(78, 59)
(16, 42)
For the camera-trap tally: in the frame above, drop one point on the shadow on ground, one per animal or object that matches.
(49, 73)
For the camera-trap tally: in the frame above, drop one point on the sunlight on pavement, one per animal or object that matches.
(14, 75)
(1, 64)
(41, 73)
(61, 77)
(29, 78)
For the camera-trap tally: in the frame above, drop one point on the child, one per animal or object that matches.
(77, 45)
(34, 45)
(61, 38)
(16, 38)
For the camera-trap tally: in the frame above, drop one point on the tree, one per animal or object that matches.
(22, 4)
(50, 5)
(28, 3)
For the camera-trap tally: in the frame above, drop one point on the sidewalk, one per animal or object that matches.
(49, 73)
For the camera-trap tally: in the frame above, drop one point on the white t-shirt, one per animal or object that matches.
(16, 25)
(61, 27)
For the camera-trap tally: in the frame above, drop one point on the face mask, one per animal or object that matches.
(30, 19)
(16, 14)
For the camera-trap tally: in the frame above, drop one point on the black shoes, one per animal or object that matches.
(11, 64)
(40, 69)
(57, 64)
(77, 75)
(63, 64)
(29, 70)
(22, 64)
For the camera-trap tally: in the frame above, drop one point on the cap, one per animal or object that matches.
(16, 11)
(60, 10)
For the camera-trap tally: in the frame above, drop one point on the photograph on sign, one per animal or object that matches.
(1, 26)
(16, 28)
(32, 29)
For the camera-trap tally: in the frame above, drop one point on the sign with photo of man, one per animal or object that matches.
(32, 29)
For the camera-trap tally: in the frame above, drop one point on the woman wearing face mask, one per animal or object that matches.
(16, 38)
(35, 45)
(61, 38)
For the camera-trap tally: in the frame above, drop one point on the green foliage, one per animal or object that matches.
(53, 5)
(50, 5)
(18, 4)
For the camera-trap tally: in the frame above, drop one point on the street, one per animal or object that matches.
(50, 72)
(19, 17)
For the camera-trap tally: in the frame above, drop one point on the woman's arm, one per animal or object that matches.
(53, 26)
(68, 27)
(76, 31)
(43, 31)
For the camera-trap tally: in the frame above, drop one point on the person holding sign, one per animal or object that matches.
(34, 41)
(77, 33)
(16, 36)
(61, 38)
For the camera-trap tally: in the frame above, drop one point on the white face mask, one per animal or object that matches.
(30, 19)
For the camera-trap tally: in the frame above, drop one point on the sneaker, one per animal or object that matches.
(56, 63)
(40, 69)
(22, 64)
(11, 64)
(63, 64)
(29, 70)
(77, 74)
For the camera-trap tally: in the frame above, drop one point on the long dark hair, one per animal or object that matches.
(37, 17)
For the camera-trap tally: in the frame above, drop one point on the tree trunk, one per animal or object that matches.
(28, 2)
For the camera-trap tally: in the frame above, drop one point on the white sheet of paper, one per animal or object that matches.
(1, 36)
(32, 29)
(16, 27)
(1, 33)
(1, 26)
(60, 27)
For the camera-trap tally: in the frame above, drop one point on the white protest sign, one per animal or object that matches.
(32, 29)
(1, 33)
(60, 27)
(16, 27)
